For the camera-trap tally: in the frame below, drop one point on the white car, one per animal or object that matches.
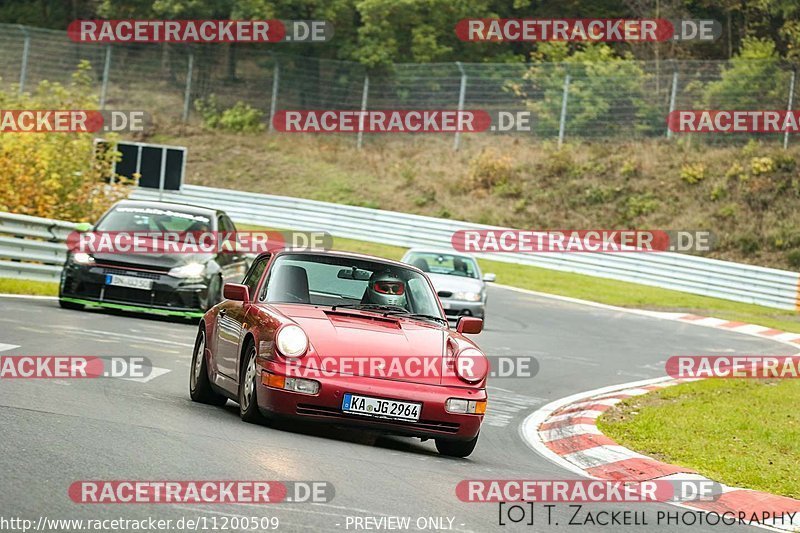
(457, 279)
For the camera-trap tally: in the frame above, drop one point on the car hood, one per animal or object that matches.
(449, 283)
(350, 334)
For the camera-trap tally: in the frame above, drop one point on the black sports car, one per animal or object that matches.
(181, 284)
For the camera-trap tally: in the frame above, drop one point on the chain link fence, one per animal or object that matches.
(572, 101)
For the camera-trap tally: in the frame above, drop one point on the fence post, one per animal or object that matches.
(163, 174)
(188, 94)
(106, 68)
(26, 48)
(461, 95)
(362, 116)
(789, 106)
(673, 93)
(562, 122)
(276, 76)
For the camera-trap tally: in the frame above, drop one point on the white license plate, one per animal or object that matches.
(378, 407)
(129, 281)
(445, 305)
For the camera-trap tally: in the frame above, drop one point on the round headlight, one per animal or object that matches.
(292, 341)
(82, 258)
(471, 365)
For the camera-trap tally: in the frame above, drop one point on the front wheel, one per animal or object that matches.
(200, 389)
(248, 399)
(456, 448)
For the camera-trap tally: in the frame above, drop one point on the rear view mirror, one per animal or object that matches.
(235, 291)
(354, 273)
(469, 325)
(489, 277)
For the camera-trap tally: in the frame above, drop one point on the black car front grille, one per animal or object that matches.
(134, 273)
(125, 266)
(444, 294)
(332, 412)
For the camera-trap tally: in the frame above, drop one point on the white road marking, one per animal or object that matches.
(601, 455)
(123, 336)
(28, 297)
(154, 373)
(4, 347)
(504, 406)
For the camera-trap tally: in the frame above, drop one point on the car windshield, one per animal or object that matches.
(150, 219)
(344, 281)
(449, 264)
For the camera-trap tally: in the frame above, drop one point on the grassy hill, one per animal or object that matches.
(748, 195)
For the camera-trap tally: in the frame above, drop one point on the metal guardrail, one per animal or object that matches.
(697, 275)
(33, 248)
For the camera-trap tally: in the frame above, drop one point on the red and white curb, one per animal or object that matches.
(565, 432)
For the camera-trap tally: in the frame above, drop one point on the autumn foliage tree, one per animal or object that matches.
(56, 175)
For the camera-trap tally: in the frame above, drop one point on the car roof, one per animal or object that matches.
(196, 209)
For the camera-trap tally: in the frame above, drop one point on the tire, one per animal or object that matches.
(456, 448)
(200, 389)
(70, 305)
(248, 398)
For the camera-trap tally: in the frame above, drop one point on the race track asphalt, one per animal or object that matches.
(55, 432)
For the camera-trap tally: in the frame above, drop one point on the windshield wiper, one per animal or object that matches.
(370, 307)
(418, 315)
(389, 310)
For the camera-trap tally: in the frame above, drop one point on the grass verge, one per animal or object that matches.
(24, 286)
(738, 432)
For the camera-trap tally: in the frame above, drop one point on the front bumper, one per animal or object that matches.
(326, 405)
(456, 308)
(86, 284)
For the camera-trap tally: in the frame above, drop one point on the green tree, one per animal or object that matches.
(607, 92)
(753, 79)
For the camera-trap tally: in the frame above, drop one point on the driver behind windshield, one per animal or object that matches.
(384, 288)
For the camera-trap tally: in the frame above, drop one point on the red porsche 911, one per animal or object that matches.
(346, 339)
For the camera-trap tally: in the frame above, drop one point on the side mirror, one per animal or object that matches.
(235, 291)
(489, 277)
(83, 227)
(469, 325)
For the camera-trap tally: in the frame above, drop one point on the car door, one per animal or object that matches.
(230, 319)
(233, 263)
